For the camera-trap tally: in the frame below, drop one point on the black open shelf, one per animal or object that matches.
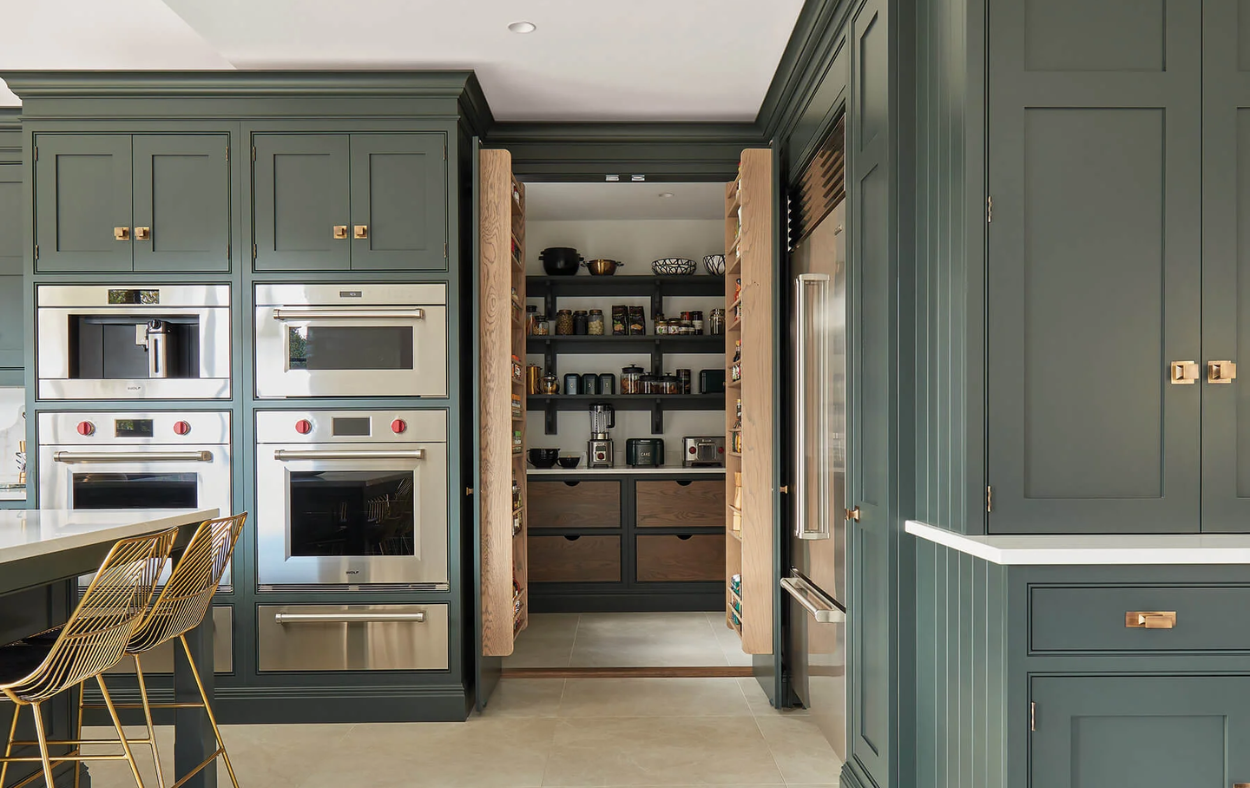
(550, 288)
(638, 343)
(550, 404)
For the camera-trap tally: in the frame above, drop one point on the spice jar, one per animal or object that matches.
(631, 380)
(564, 323)
(696, 320)
(581, 323)
(595, 324)
(620, 321)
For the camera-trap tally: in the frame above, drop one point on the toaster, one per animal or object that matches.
(703, 452)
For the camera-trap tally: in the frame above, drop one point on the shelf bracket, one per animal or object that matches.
(549, 359)
(657, 358)
(549, 416)
(657, 300)
(549, 303)
(657, 417)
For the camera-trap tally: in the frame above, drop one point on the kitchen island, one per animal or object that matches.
(42, 553)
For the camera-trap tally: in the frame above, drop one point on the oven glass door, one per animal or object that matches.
(376, 351)
(353, 514)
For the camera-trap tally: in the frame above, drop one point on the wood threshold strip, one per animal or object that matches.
(677, 672)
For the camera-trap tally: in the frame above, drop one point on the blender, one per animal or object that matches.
(599, 447)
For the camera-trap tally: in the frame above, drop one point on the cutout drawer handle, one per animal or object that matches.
(1154, 620)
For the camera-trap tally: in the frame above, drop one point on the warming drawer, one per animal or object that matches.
(351, 637)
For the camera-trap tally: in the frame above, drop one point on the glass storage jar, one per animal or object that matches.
(669, 385)
(595, 325)
(631, 380)
(581, 323)
(564, 322)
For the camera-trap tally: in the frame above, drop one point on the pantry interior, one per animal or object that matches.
(631, 557)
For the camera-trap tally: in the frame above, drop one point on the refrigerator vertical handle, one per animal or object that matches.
(804, 285)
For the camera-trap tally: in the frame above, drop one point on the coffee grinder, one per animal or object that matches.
(599, 447)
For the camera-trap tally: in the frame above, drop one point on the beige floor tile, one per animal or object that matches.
(729, 640)
(800, 749)
(525, 698)
(661, 697)
(546, 643)
(759, 703)
(660, 752)
(482, 753)
(646, 640)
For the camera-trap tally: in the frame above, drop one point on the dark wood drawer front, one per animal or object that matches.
(680, 559)
(576, 559)
(669, 504)
(582, 505)
(1093, 619)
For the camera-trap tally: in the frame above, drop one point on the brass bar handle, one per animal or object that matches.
(1134, 619)
(361, 231)
(121, 233)
(1184, 373)
(340, 232)
(346, 618)
(143, 233)
(1221, 371)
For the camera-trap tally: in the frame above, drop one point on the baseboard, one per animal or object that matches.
(708, 672)
(630, 602)
(851, 779)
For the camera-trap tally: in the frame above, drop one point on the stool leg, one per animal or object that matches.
(208, 709)
(147, 713)
(43, 745)
(82, 690)
(121, 734)
(8, 748)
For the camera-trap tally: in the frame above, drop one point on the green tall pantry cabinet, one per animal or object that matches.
(11, 242)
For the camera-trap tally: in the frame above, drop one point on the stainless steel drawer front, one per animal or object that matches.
(352, 637)
(161, 659)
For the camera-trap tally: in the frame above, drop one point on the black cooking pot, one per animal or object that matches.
(560, 260)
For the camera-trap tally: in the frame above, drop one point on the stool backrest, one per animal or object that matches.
(184, 601)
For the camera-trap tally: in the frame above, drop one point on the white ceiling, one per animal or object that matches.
(698, 60)
(582, 201)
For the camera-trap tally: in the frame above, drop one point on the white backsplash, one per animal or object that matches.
(12, 430)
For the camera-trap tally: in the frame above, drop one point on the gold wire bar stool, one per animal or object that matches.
(179, 608)
(92, 641)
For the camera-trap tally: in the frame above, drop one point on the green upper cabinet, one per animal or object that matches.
(12, 232)
(1143, 731)
(1095, 265)
(336, 202)
(117, 202)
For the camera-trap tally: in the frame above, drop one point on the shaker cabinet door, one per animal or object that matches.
(12, 321)
(1140, 731)
(300, 196)
(399, 202)
(82, 202)
(1225, 265)
(12, 222)
(1095, 265)
(181, 202)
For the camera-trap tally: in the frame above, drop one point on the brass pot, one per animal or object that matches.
(602, 267)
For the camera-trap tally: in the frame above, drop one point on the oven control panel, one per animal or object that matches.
(138, 428)
(351, 426)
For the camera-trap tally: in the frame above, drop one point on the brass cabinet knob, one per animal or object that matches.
(361, 231)
(853, 514)
(121, 233)
(143, 233)
(1221, 371)
(1135, 619)
(340, 232)
(1184, 373)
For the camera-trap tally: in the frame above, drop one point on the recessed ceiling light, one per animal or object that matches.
(522, 27)
(666, 194)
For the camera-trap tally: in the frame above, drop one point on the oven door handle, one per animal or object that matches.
(324, 313)
(288, 455)
(346, 618)
(132, 456)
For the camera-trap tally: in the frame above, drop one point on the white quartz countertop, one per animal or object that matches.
(581, 471)
(1094, 549)
(29, 533)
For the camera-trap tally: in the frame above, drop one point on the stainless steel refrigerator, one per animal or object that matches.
(816, 585)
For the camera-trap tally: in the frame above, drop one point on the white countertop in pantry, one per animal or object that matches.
(28, 533)
(622, 471)
(1093, 549)
(12, 494)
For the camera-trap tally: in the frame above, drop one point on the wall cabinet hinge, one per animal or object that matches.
(253, 153)
(36, 251)
(253, 252)
(444, 150)
(36, 153)
(989, 499)
(989, 209)
(227, 154)
(1032, 716)
(444, 250)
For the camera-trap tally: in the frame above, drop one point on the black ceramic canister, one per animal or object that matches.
(590, 383)
(572, 384)
(607, 384)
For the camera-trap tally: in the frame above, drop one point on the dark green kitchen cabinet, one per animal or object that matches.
(1139, 731)
(1095, 270)
(12, 241)
(120, 202)
(12, 321)
(336, 202)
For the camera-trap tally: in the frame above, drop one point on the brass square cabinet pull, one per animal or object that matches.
(362, 231)
(340, 232)
(1134, 619)
(1221, 371)
(121, 233)
(143, 233)
(1184, 373)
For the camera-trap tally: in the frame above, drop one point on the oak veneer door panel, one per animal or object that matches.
(302, 192)
(12, 235)
(1140, 731)
(399, 192)
(1095, 265)
(182, 192)
(1226, 262)
(82, 192)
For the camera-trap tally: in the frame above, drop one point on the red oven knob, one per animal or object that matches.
(693, 450)
(398, 426)
(303, 426)
(720, 449)
(86, 428)
(181, 428)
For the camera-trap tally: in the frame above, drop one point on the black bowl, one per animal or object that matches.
(543, 458)
(560, 260)
(569, 462)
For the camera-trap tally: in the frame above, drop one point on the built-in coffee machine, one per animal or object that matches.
(146, 342)
(599, 452)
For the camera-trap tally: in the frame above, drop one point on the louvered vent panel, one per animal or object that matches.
(822, 185)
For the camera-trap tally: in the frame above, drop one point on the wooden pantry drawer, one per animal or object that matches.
(1083, 618)
(574, 504)
(688, 503)
(574, 559)
(681, 559)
